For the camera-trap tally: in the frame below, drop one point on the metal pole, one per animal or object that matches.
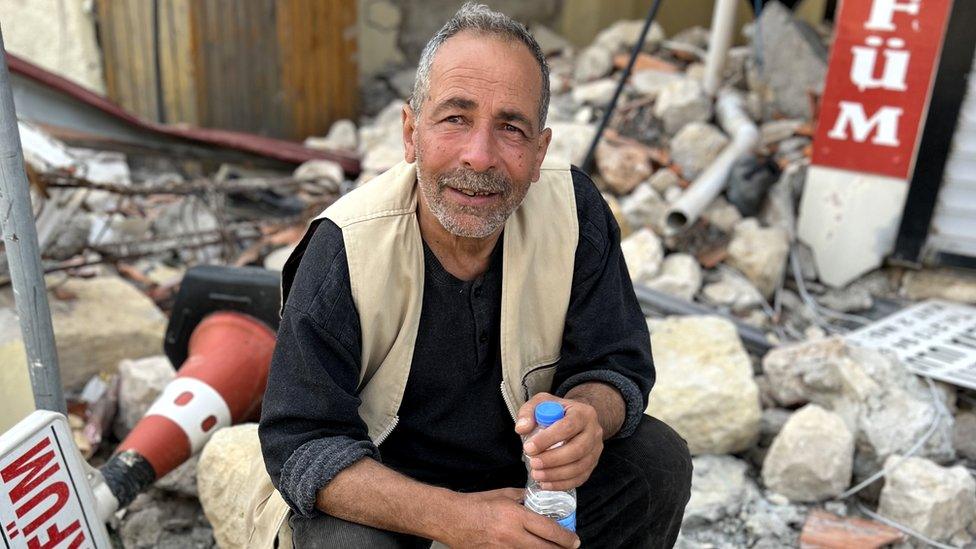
(24, 256)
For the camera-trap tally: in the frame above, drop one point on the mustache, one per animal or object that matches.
(479, 182)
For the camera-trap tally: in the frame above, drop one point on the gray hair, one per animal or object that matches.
(479, 18)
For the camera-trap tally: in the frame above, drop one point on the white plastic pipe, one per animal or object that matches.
(723, 24)
(731, 114)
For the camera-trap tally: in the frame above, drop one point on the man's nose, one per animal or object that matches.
(479, 153)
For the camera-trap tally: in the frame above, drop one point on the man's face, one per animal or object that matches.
(477, 141)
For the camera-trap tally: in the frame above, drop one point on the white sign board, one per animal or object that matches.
(933, 338)
(45, 499)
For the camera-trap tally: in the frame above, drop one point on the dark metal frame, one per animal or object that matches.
(948, 93)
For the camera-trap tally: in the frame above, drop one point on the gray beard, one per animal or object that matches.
(462, 179)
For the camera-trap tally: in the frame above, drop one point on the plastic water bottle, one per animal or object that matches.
(559, 505)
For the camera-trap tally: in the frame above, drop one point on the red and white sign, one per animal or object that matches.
(882, 64)
(45, 500)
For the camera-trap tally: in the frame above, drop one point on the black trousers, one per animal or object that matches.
(635, 497)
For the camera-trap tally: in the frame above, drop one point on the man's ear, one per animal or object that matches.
(409, 126)
(544, 139)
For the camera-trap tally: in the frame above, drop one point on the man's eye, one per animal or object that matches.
(511, 128)
(454, 119)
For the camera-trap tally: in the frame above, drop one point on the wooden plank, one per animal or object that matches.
(177, 70)
(318, 67)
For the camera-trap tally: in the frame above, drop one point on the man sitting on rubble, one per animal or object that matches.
(429, 309)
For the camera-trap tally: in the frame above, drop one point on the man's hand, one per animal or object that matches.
(569, 465)
(498, 519)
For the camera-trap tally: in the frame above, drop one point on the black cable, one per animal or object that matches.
(588, 162)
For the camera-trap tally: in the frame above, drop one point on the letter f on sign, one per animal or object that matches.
(883, 13)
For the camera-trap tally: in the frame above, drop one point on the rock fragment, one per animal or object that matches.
(140, 382)
(593, 62)
(717, 409)
(623, 166)
(760, 253)
(644, 208)
(680, 276)
(719, 488)
(643, 254)
(937, 501)
(696, 146)
(812, 457)
(342, 136)
(680, 103)
(223, 475)
(794, 61)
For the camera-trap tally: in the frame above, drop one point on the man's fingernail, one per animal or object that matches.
(522, 422)
(529, 447)
(577, 544)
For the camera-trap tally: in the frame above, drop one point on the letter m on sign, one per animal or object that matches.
(30, 470)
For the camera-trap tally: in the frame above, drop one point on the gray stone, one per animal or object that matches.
(680, 276)
(736, 61)
(964, 435)
(663, 179)
(950, 284)
(326, 174)
(812, 457)
(182, 480)
(160, 520)
(107, 320)
(717, 409)
(695, 37)
(937, 501)
(402, 81)
(696, 146)
(592, 63)
(223, 481)
(779, 209)
(643, 254)
(721, 214)
(142, 529)
(342, 136)
(549, 41)
(597, 92)
(794, 60)
(680, 103)
(719, 489)
(644, 208)
(140, 382)
(570, 141)
(650, 82)
(733, 291)
(760, 253)
(883, 404)
(622, 166)
(623, 36)
(772, 422)
(847, 300)
(774, 131)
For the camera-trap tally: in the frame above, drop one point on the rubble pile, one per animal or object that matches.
(797, 446)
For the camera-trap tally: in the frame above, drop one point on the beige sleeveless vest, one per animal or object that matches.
(384, 251)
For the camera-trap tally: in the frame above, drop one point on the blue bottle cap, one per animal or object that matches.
(569, 522)
(549, 412)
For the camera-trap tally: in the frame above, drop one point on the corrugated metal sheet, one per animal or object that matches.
(280, 68)
(953, 228)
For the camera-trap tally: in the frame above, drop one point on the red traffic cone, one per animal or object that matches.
(220, 384)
